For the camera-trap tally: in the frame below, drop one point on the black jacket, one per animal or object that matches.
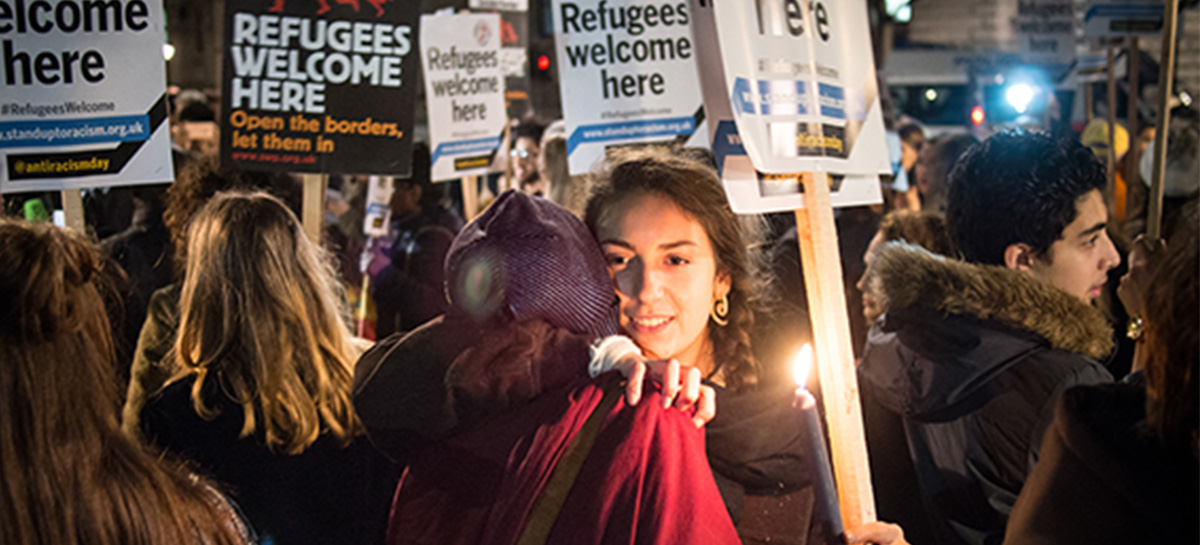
(970, 360)
(326, 494)
(1104, 478)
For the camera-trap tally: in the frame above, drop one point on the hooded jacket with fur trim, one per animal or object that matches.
(970, 360)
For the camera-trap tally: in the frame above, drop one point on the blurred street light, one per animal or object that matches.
(1019, 95)
(977, 115)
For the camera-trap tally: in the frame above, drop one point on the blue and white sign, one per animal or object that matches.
(82, 95)
(1111, 19)
(464, 92)
(778, 105)
(802, 84)
(627, 73)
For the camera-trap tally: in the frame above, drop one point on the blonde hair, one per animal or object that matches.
(260, 323)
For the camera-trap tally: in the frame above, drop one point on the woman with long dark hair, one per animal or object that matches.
(67, 474)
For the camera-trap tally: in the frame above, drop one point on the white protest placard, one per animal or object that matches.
(1045, 31)
(1120, 18)
(379, 212)
(464, 92)
(82, 95)
(802, 85)
(627, 74)
(506, 5)
(792, 108)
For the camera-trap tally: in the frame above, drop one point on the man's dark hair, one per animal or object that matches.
(197, 111)
(909, 130)
(1017, 187)
(422, 175)
(948, 149)
(529, 129)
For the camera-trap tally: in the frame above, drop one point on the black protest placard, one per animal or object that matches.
(319, 86)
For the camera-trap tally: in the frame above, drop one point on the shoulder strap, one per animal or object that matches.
(546, 509)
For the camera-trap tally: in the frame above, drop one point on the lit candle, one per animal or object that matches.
(824, 492)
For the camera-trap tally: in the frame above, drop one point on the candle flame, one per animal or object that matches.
(802, 364)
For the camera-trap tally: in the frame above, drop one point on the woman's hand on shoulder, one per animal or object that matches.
(681, 386)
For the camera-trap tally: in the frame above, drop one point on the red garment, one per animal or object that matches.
(483, 446)
(646, 479)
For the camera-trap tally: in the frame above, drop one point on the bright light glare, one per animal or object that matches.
(900, 10)
(1185, 98)
(931, 94)
(977, 116)
(1019, 95)
(168, 51)
(802, 365)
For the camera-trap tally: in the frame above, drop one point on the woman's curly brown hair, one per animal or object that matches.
(695, 188)
(204, 177)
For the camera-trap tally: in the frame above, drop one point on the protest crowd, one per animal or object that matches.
(403, 335)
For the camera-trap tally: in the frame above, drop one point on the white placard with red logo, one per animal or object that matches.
(464, 92)
(773, 185)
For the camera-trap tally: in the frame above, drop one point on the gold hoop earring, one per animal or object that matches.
(720, 311)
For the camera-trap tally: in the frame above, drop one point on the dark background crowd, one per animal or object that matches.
(194, 369)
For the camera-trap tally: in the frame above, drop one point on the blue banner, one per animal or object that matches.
(465, 147)
(649, 128)
(70, 132)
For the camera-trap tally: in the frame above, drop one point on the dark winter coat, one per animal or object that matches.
(1103, 477)
(329, 493)
(971, 360)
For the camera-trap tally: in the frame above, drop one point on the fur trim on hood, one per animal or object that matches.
(905, 275)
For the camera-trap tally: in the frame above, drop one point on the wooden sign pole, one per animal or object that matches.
(314, 205)
(470, 196)
(508, 182)
(1131, 114)
(1166, 76)
(1088, 100)
(1110, 102)
(363, 295)
(73, 209)
(822, 266)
